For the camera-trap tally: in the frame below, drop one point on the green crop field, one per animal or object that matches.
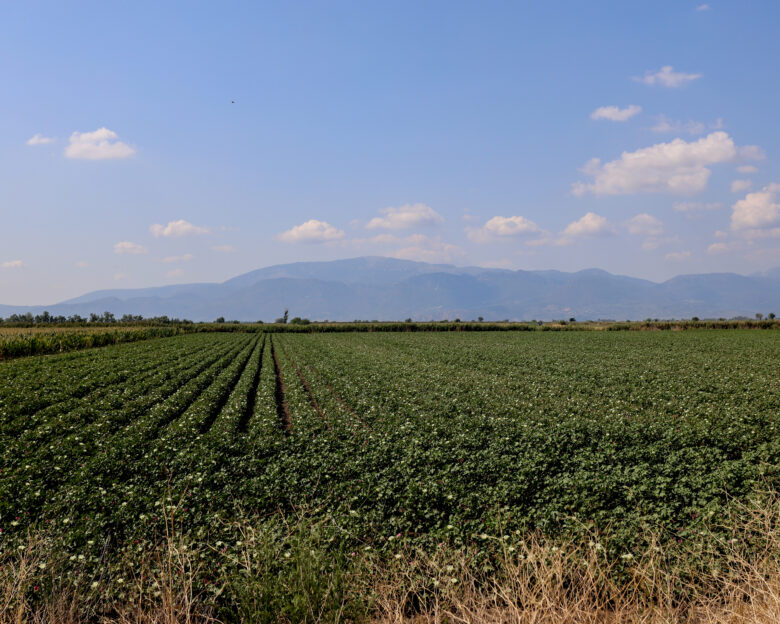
(401, 440)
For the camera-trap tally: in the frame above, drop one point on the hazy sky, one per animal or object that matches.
(637, 137)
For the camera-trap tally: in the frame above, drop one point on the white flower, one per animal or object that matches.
(453, 580)
(42, 566)
(626, 556)
(120, 580)
(94, 585)
(398, 556)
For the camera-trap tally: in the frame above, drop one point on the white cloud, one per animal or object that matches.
(502, 227)
(120, 276)
(678, 256)
(738, 186)
(666, 77)
(614, 113)
(696, 206)
(747, 169)
(427, 249)
(172, 259)
(176, 229)
(721, 234)
(175, 273)
(645, 225)
(666, 125)
(675, 167)
(654, 242)
(751, 152)
(102, 144)
(703, 7)
(590, 224)
(312, 231)
(758, 214)
(81, 264)
(126, 247)
(39, 139)
(404, 217)
(721, 248)
(12, 264)
(224, 248)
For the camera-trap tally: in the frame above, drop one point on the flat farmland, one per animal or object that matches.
(403, 441)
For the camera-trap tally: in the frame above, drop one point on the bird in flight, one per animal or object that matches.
(232, 101)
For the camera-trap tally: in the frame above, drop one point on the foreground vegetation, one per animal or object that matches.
(343, 476)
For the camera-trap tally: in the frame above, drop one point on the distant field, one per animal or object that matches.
(401, 440)
(25, 341)
(25, 331)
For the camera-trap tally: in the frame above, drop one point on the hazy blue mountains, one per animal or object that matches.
(390, 289)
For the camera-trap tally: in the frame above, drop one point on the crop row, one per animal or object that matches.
(428, 436)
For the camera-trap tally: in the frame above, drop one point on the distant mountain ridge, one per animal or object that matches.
(391, 289)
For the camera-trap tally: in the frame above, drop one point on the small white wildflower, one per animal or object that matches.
(453, 580)
(42, 566)
(94, 585)
(398, 556)
(626, 556)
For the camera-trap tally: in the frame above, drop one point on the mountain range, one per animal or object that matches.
(377, 288)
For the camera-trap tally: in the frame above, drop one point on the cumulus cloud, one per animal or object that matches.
(737, 186)
(678, 256)
(39, 139)
(405, 217)
(677, 167)
(696, 206)
(224, 248)
(128, 248)
(101, 144)
(173, 259)
(176, 229)
(666, 77)
(758, 214)
(751, 152)
(12, 264)
(666, 125)
(427, 249)
(590, 224)
(615, 113)
(502, 227)
(645, 225)
(312, 231)
(747, 169)
(722, 248)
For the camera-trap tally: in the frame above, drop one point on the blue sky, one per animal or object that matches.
(440, 131)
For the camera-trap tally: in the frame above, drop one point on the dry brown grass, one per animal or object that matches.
(721, 580)
(733, 580)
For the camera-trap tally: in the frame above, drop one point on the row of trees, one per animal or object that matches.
(107, 318)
